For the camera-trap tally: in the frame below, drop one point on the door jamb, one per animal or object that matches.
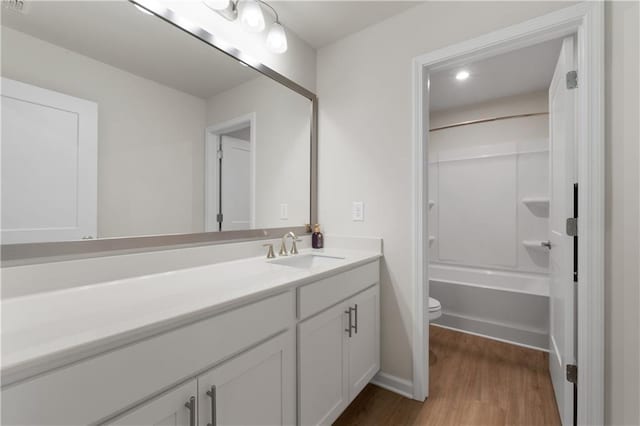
(586, 21)
(212, 140)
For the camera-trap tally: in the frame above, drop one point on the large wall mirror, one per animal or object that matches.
(118, 124)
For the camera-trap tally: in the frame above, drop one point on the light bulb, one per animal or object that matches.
(462, 75)
(277, 38)
(216, 4)
(251, 16)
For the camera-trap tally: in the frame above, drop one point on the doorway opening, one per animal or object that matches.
(230, 153)
(491, 242)
(498, 196)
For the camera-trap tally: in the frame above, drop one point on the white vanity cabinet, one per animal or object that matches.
(174, 408)
(363, 348)
(339, 350)
(257, 387)
(297, 355)
(322, 344)
(122, 380)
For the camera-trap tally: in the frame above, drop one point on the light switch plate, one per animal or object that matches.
(284, 211)
(357, 211)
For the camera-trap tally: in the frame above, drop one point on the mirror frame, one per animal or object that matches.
(33, 253)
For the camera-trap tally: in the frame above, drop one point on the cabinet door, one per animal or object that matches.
(256, 387)
(169, 409)
(322, 375)
(364, 344)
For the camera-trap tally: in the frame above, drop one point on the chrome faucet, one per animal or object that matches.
(270, 254)
(283, 245)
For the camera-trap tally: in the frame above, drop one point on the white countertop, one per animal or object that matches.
(47, 330)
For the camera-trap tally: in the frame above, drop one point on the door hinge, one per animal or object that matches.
(220, 154)
(572, 373)
(572, 79)
(572, 226)
(219, 218)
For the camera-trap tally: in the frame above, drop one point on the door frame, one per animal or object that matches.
(586, 21)
(213, 134)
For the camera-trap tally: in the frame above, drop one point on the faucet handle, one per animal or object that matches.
(294, 247)
(283, 248)
(270, 254)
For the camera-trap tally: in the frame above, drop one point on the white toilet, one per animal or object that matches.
(435, 309)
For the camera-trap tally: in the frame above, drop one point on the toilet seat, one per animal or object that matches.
(435, 309)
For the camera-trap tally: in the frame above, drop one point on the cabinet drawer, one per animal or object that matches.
(315, 297)
(94, 389)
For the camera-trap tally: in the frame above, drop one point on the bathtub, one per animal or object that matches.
(507, 306)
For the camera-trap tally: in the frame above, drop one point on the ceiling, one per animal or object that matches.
(321, 23)
(520, 71)
(139, 43)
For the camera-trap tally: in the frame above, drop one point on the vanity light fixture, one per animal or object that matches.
(277, 38)
(252, 18)
(462, 75)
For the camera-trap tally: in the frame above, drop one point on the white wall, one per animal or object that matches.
(282, 146)
(364, 87)
(365, 146)
(622, 292)
(298, 63)
(485, 170)
(149, 137)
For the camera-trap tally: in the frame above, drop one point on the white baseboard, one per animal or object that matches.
(394, 384)
(516, 335)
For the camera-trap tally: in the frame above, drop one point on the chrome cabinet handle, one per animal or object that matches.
(191, 406)
(348, 329)
(212, 395)
(546, 244)
(355, 327)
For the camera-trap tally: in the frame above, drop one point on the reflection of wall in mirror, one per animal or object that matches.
(150, 137)
(282, 146)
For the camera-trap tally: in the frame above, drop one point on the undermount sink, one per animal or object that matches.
(307, 261)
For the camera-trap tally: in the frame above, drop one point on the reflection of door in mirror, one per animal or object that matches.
(234, 186)
(230, 175)
(49, 159)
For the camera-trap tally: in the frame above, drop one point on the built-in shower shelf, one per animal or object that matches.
(536, 201)
(535, 244)
(431, 203)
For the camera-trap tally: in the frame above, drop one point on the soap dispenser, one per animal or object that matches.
(317, 239)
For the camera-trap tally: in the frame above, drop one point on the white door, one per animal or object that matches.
(562, 178)
(364, 343)
(235, 184)
(49, 165)
(169, 409)
(324, 391)
(257, 387)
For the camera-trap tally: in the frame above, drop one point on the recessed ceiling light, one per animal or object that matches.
(462, 75)
(143, 10)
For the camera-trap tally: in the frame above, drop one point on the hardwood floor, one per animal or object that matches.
(473, 381)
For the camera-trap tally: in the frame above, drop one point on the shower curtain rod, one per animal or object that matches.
(485, 120)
